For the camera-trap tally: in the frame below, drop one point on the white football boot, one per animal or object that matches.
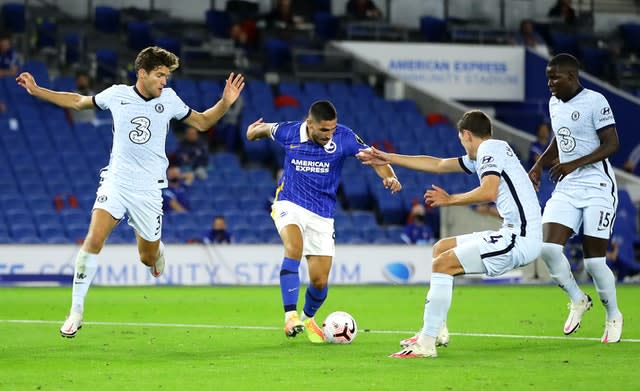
(71, 326)
(441, 340)
(576, 311)
(612, 330)
(424, 347)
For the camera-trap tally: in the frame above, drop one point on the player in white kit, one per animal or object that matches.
(585, 193)
(131, 184)
(504, 181)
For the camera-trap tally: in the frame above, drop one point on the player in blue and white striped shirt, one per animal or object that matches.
(305, 201)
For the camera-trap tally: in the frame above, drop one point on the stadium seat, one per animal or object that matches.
(171, 44)
(326, 25)
(107, 19)
(74, 47)
(218, 23)
(46, 33)
(630, 33)
(433, 29)
(13, 17)
(277, 54)
(107, 63)
(564, 43)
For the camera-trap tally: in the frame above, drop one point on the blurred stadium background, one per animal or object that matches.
(394, 100)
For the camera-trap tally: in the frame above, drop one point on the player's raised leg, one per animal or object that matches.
(101, 225)
(290, 279)
(316, 294)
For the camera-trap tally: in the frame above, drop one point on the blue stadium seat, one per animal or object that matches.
(218, 23)
(433, 29)
(74, 46)
(169, 43)
(356, 192)
(46, 33)
(76, 232)
(631, 36)
(390, 206)
(244, 235)
(326, 25)
(362, 219)
(107, 64)
(13, 17)
(277, 54)
(107, 19)
(564, 43)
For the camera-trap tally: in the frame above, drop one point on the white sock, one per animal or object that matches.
(83, 274)
(560, 270)
(605, 283)
(303, 316)
(289, 314)
(438, 303)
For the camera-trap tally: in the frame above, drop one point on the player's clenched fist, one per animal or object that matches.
(26, 81)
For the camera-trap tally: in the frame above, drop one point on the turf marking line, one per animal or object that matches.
(269, 328)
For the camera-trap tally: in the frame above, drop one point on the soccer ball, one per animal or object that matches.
(339, 327)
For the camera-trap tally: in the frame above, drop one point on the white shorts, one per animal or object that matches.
(495, 252)
(592, 209)
(318, 236)
(143, 207)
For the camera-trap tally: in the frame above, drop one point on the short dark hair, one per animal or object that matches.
(477, 122)
(152, 57)
(323, 110)
(565, 61)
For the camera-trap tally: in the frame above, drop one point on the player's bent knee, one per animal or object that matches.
(441, 246)
(443, 265)
(292, 251)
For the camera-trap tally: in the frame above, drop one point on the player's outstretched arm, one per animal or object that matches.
(258, 130)
(232, 89)
(486, 192)
(68, 100)
(374, 157)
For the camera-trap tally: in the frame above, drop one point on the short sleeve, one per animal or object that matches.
(103, 99)
(353, 143)
(602, 114)
(181, 110)
(467, 164)
(274, 130)
(490, 159)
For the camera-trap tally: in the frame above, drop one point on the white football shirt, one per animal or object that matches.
(138, 159)
(576, 124)
(517, 202)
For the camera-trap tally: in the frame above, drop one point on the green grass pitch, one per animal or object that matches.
(231, 338)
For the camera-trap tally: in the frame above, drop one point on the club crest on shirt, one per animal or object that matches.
(575, 115)
(159, 108)
(102, 198)
(330, 147)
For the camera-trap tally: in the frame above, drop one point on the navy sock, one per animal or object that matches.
(314, 299)
(289, 283)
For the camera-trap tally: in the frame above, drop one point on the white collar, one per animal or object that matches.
(304, 137)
